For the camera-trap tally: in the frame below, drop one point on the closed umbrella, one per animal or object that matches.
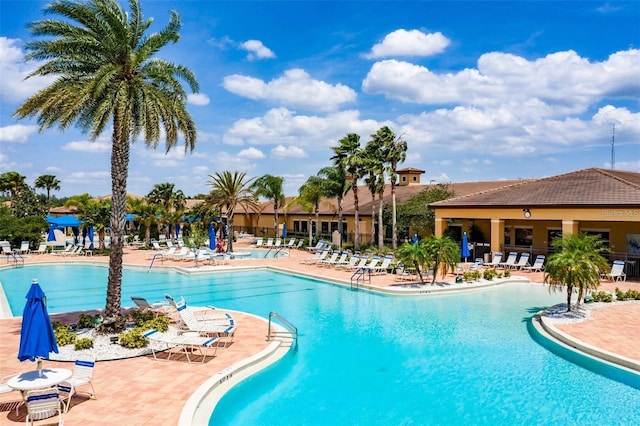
(36, 336)
(52, 235)
(177, 230)
(464, 249)
(284, 230)
(212, 237)
(90, 236)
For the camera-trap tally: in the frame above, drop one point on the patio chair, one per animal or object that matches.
(159, 308)
(42, 248)
(495, 261)
(350, 263)
(259, 242)
(188, 344)
(24, 248)
(316, 258)
(617, 272)
(538, 264)
(81, 376)
(382, 268)
(191, 323)
(42, 404)
(331, 259)
(362, 262)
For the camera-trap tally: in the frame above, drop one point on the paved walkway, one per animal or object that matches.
(141, 391)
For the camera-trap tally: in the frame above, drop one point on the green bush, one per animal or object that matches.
(507, 273)
(133, 339)
(620, 295)
(86, 321)
(628, 295)
(468, 276)
(84, 343)
(602, 296)
(63, 334)
(140, 317)
(489, 274)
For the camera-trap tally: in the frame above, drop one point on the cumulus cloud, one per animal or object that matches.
(88, 146)
(559, 83)
(197, 99)
(251, 154)
(295, 88)
(16, 133)
(409, 43)
(290, 151)
(14, 70)
(257, 50)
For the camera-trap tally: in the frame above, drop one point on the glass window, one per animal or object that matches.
(524, 237)
(552, 234)
(324, 227)
(507, 236)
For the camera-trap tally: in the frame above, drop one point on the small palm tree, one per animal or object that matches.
(48, 182)
(230, 190)
(271, 187)
(576, 263)
(416, 256)
(106, 74)
(336, 186)
(444, 253)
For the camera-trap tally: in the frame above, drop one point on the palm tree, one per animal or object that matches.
(416, 256)
(443, 252)
(96, 214)
(270, 187)
(146, 213)
(375, 181)
(577, 262)
(312, 192)
(350, 156)
(170, 204)
(48, 182)
(106, 74)
(12, 183)
(231, 190)
(394, 151)
(336, 186)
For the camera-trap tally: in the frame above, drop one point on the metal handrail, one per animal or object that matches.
(16, 257)
(154, 259)
(360, 273)
(290, 327)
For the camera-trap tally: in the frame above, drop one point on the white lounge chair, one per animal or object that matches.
(360, 264)
(42, 248)
(315, 258)
(617, 271)
(187, 343)
(538, 264)
(24, 248)
(382, 268)
(495, 261)
(350, 263)
(259, 242)
(510, 261)
(206, 327)
(328, 261)
(523, 261)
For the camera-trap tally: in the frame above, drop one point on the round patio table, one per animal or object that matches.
(39, 379)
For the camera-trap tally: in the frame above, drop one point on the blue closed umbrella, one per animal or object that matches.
(414, 240)
(284, 230)
(212, 237)
(464, 249)
(177, 230)
(36, 336)
(90, 236)
(52, 235)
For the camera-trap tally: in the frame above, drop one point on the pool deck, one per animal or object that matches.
(143, 391)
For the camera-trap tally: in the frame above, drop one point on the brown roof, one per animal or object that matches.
(580, 188)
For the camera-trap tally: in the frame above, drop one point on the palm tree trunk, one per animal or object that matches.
(275, 220)
(119, 167)
(356, 238)
(373, 219)
(317, 224)
(394, 231)
(380, 225)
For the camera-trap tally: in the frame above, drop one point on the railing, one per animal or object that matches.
(154, 259)
(17, 257)
(360, 273)
(292, 330)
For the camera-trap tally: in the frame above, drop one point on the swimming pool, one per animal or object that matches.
(365, 358)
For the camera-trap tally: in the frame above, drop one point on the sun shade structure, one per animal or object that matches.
(36, 336)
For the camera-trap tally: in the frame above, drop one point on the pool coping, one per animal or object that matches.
(545, 327)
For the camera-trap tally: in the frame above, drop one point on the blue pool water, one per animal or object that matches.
(370, 359)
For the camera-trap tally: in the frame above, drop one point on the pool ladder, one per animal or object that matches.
(363, 274)
(292, 330)
(154, 259)
(17, 258)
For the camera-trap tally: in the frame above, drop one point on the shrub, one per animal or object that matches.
(468, 276)
(620, 295)
(602, 296)
(489, 274)
(63, 334)
(507, 273)
(84, 343)
(140, 316)
(133, 339)
(86, 321)
(477, 275)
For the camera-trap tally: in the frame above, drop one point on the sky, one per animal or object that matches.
(479, 90)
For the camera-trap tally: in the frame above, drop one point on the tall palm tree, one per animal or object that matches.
(106, 74)
(229, 191)
(374, 166)
(12, 183)
(336, 186)
(48, 182)
(444, 254)
(312, 192)
(271, 188)
(415, 256)
(577, 262)
(394, 151)
(350, 156)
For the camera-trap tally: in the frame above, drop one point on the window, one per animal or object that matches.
(524, 237)
(415, 178)
(404, 178)
(507, 236)
(552, 234)
(324, 227)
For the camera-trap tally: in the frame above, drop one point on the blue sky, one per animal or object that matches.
(479, 90)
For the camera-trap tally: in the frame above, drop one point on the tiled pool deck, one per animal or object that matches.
(141, 391)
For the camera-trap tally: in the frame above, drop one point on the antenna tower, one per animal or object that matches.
(613, 146)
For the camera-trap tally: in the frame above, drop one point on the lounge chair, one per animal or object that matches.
(315, 258)
(538, 264)
(191, 323)
(522, 262)
(67, 249)
(186, 342)
(259, 242)
(320, 246)
(382, 268)
(43, 403)
(495, 261)
(360, 264)
(24, 248)
(510, 261)
(159, 308)
(331, 259)
(350, 263)
(299, 244)
(42, 248)
(617, 272)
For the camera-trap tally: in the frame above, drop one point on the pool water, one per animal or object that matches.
(370, 359)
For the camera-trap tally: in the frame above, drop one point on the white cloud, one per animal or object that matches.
(13, 87)
(88, 146)
(257, 50)
(251, 154)
(409, 43)
(295, 88)
(197, 99)
(282, 151)
(16, 133)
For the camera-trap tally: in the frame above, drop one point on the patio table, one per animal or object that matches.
(38, 379)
